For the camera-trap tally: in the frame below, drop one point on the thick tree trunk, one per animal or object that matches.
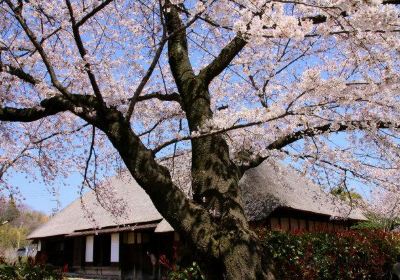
(241, 257)
(236, 253)
(243, 260)
(225, 241)
(214, 223)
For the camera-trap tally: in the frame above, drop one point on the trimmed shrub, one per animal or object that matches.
(333, 255)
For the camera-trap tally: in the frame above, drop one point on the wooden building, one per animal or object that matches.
(277, 197)
(94, 243)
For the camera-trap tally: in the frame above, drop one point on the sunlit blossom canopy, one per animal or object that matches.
(298, 72)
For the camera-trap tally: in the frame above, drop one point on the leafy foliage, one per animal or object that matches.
(13, 237)
(378, 222)
(340, 255)
(28, 271)
(177, 270)
(346, 195)
(191, 272)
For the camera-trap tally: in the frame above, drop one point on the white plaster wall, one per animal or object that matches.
(89, 248)
(115, 247)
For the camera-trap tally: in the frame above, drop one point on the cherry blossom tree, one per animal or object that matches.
(383, 210)
(188, 95)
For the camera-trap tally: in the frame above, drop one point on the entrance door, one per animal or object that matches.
(135, 262)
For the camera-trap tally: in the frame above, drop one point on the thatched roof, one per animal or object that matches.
(139, 209)
(264, 188)
(272, 185)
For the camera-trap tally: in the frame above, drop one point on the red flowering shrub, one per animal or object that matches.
(333, 255)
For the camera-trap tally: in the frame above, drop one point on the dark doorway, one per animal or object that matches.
(102, 250)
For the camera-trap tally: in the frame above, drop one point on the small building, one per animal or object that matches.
(94, 243)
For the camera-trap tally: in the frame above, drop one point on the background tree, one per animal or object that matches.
(16, 222)
(187, 95)
(382, 211)
(350, 196)
(8, 210)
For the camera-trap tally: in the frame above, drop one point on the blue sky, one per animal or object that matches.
(40, 197)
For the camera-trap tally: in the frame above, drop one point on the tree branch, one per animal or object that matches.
(229, 52)
(319, 130)
(93, 12)
(395, 2)
(37, 142)
(18, 15)
(163, 97)
(156, 180)
(152, 128)
(318, 19)
(83, 52)
(222, 61)
(91, 151)
(178, 55)
(328, 128)
(18, 72)
(49, 107)
(52, 106)
(150, 70)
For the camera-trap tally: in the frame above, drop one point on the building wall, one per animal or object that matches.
(291, 220)
(124, 255)
(57, 251)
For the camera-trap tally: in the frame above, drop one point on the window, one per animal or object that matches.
(128, 237)
(145, 237)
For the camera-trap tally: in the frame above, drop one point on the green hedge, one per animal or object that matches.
(327, 255)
